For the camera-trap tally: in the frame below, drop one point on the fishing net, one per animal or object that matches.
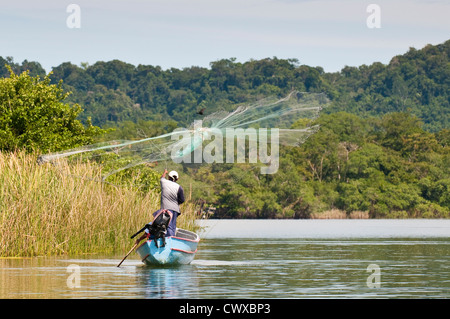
(273, 117)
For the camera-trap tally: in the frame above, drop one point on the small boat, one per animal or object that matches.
(179, 249)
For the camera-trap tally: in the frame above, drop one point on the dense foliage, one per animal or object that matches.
(389, 167)
(33, 116)
(416, 82)
(383, 146)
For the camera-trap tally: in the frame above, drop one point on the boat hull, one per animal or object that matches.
(179, 249)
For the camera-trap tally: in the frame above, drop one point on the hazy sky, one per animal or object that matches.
(181, 33)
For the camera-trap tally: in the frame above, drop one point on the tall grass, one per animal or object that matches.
(340, 214)
(47, 210)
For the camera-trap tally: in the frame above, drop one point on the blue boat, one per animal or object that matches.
(179, 249)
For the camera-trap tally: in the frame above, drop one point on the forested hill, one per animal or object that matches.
(112, 92)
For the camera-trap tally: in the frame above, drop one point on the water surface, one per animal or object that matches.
(326, 228)
(321, 259)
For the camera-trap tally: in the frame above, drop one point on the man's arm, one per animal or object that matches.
(164, 174)
(180, 195)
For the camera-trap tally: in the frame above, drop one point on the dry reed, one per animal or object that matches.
(47, 210)
(340, 214)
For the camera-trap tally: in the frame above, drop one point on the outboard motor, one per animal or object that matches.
(159, 226)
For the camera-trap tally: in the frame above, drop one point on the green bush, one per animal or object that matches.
(34, 117)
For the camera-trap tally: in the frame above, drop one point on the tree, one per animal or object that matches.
(395, 127)
(33, 116)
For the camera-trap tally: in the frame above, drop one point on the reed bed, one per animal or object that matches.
(340, 214)
(51, 210)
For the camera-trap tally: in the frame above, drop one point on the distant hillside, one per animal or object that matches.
(417, 82)
(112, 92)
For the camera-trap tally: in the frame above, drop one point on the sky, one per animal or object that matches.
(184, 33)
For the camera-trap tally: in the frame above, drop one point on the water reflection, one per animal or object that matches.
(99, 278)
(29, 277)
(168, 282)
(325, 268)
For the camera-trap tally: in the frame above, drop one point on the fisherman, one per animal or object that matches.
(172, 195)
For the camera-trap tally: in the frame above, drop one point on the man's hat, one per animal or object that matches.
(173, 174)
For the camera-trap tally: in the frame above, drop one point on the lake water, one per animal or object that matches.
(260, 259)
